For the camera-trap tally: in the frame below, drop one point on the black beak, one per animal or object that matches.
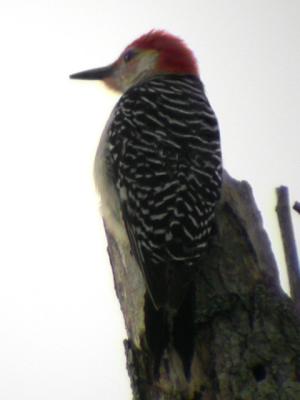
(94, 74)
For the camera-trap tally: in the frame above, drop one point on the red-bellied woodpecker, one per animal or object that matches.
(158, 166)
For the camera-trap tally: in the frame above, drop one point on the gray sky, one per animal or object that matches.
(61, 329)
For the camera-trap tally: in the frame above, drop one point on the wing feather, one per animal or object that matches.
(167, 167)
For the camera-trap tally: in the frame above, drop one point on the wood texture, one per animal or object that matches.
(289, 243)
(247, 330)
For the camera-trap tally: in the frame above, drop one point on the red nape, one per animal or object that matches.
(175, 57)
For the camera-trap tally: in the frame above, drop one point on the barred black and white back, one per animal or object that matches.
(162, 154)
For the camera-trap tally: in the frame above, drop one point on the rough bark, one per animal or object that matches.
(289, 242)
(247, 330)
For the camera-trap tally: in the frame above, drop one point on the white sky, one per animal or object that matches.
(60, 326)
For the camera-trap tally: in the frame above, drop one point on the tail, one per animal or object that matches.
(167, 326)
(157, 331)
(184, 330)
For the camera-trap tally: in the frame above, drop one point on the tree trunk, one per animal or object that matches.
(247, 331)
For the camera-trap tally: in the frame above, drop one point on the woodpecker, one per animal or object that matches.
(158, 167)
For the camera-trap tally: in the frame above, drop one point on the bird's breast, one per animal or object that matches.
(109, 199)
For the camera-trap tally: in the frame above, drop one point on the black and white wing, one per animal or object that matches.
(166, 161)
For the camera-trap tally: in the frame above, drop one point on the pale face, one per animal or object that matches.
(132, 67)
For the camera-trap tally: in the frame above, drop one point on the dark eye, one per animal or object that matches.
(129, 55)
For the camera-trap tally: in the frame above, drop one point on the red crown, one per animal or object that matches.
(174, 55)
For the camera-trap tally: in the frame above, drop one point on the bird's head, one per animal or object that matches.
(154, 53)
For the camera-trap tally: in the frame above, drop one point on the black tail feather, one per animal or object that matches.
(157, 332)
(164, 327)
(184, 331)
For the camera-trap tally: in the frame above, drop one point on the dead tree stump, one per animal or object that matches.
(247, 328)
